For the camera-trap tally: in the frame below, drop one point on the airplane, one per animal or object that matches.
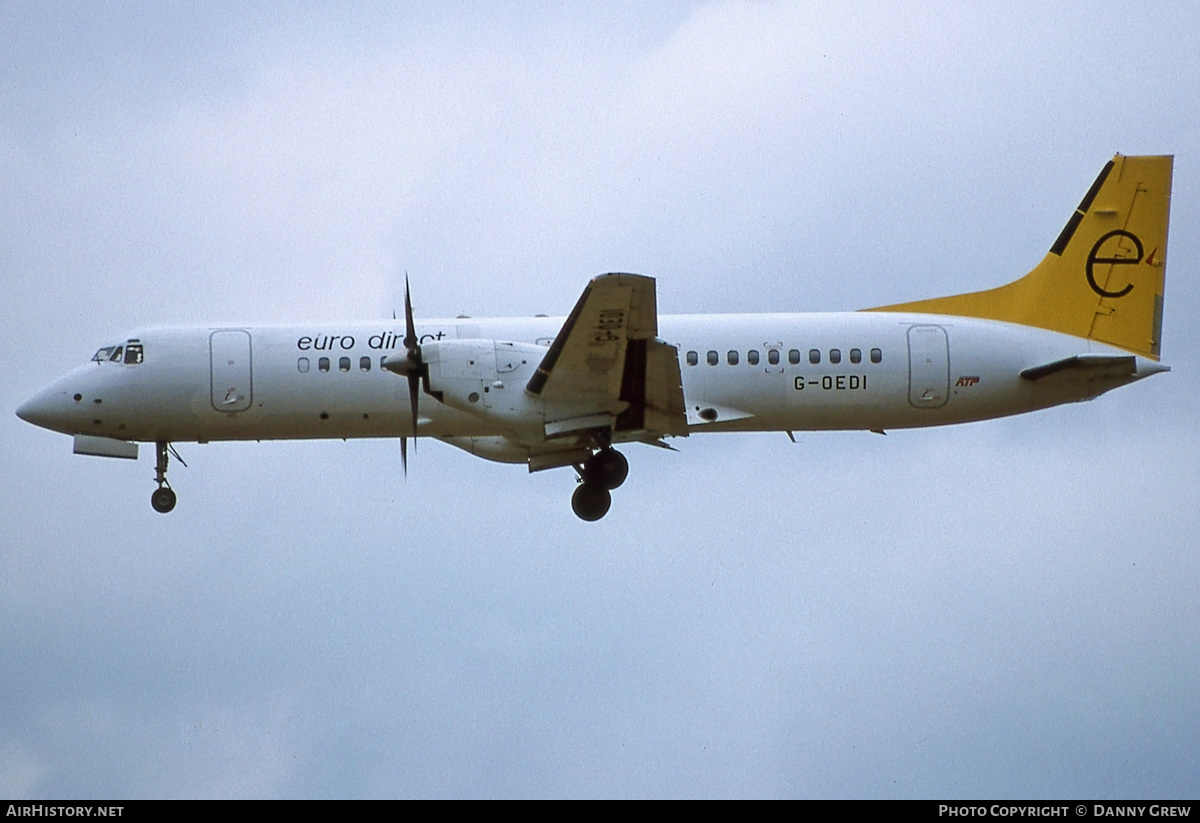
(564, 392)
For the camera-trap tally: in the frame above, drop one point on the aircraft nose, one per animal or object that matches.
(45, 409)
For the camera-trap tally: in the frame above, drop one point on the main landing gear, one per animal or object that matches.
(603, 472)
(163, 498)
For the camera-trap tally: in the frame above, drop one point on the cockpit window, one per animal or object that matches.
(131, 354)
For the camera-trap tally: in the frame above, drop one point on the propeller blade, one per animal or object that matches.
(414, 389)
(414, 354)
(404, 454)
(410, 328)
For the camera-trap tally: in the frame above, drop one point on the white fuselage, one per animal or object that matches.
(233, 382)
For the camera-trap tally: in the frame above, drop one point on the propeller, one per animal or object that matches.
(417, 370)
(413, 367)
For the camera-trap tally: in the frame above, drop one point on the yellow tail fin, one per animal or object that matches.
(1103, 277)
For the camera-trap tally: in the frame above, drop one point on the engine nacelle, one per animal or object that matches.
(487, 378)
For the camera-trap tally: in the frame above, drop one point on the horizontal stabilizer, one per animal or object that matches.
(1085, 367)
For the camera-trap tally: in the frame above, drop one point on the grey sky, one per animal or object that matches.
(1000, 609)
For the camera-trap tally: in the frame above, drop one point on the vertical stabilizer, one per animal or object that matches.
(1103, 277)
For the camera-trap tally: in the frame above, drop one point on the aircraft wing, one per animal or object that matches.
(607, 370)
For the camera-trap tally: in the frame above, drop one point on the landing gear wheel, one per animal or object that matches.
(607, 468)
(590, 502)
(163, 500)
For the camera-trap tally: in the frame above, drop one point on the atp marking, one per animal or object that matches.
(967, 381)
(1092, 260)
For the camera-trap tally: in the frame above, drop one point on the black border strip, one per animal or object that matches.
(538, 381)
(1068, 231)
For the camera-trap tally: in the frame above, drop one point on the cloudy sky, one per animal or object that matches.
(1003, 609)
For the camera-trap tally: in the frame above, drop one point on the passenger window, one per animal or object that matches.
(713, 358)
(692, 358)
(814, 356)
(302, 365)
(794, 356)
(835, 356)
(364, 363)
(133, 354)
(856, 355)
(385, 357)
(323, 364)
(752, 357)
(773, 357)
(876, 355)
(344, 363)
(732, 357)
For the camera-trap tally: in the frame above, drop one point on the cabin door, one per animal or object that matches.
(231, 369)
(928, 367)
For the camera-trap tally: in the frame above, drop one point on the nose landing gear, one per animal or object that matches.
(603, 472)
(163, 498)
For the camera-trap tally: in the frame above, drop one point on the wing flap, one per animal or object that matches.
(663, 401)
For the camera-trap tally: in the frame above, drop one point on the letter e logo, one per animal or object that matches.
(1110, 259)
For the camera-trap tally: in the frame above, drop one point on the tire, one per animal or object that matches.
(163, 500)
(590, 502)
(607, 468)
